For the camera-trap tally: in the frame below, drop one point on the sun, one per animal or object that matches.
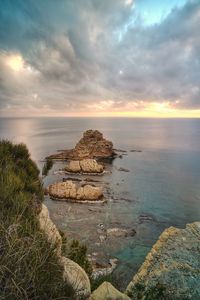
(15, 62)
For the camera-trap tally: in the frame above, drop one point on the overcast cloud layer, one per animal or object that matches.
(95, 55)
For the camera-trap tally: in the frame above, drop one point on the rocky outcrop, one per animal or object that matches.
(172, 268)
(50, 229)
(106, 291)
(69, 190)
(73, 274)
(101, 269)
(84, 166)
(91, 145)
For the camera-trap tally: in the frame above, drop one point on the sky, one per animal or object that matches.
(137, 58)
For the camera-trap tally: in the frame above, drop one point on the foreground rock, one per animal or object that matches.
(91, 145)
(69, 190)
(172, 269)
(101, 269)
(106, 291)
(73, 274)
(84, 166)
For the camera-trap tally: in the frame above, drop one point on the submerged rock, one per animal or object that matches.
(106, 291)
(70, 190)
(120, 232)
(172, 268)
(123, 170)
(84, 166)
(91, 145)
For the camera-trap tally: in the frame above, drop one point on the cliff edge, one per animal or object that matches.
(172, 268)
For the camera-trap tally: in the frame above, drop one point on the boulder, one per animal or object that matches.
(63, 190)
(103, 269)
(84, 166)
(106, 291)
(73, 166)
(171, 270)
(91, 145)
(69, 190)
(49, 228)
(89, 192)
(91, 166)
(75, 276)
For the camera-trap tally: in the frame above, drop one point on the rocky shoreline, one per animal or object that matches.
(171, 269)
(85, 159)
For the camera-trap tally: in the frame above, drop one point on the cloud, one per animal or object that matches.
(97, 55)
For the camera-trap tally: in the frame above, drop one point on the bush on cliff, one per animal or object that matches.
(47, 166)
(29, 267)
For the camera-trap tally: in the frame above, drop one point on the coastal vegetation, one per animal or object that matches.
(29, 267)
(39, 262)
(78, 253)
(47, 166)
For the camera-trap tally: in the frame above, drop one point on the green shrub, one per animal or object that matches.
(78, 253)
(47, 166)
(140, 291)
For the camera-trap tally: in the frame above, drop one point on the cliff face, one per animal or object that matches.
(172, 268)
(73, 274)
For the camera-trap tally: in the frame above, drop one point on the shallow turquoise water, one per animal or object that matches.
(163, 182)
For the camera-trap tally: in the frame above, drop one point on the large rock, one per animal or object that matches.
(73, 274)
(50, 229)
(84, 166)
(69, 190)
(76, 277)
(89, 192)
(106, 291)
(73, 166)
(91, 145)
(172, 269)
(63, 190)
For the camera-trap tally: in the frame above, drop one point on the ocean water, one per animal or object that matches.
(163, 182)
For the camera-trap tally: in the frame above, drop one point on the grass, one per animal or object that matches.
(29, 267)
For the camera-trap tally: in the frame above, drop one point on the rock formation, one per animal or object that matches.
(91, 145)
(69, 190)
(84, 166)
(172, 268)
(73, 274)
(102, 269)
(50, 229)
(106, 291)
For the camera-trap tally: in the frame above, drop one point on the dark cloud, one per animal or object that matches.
(79, 54)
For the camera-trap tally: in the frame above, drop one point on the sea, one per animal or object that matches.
(160, 187)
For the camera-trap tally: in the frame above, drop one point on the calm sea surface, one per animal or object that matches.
(163, 182)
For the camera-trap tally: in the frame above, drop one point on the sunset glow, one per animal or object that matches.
(141, 61)
(15, 62)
